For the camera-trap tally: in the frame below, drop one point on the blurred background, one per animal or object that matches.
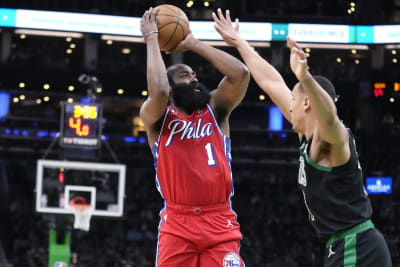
(38, 72)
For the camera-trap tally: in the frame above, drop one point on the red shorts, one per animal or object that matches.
(204, 236)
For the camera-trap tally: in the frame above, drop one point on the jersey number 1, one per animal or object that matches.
(210, 154)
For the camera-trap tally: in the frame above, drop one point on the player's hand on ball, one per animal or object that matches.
(148, 24)
(224, 27)
(188, 43)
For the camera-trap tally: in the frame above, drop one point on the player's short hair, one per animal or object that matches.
(325, 84)
(170, 73)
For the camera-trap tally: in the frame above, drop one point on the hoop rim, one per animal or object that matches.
(80, 207)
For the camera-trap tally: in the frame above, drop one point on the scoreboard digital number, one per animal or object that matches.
(81, 125)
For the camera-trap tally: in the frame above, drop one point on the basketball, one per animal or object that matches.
(173, 27)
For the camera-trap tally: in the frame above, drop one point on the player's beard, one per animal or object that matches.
(187, 98)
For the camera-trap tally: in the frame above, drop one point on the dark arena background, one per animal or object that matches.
(42, 67)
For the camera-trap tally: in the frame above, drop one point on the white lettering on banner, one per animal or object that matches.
(187, 130)
(319, 33)
(386, 33)
(379, 187)
(80, 141)
(79, 22)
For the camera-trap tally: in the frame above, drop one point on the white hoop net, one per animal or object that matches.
(82, 214)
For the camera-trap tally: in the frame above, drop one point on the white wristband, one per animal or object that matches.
(150, 33)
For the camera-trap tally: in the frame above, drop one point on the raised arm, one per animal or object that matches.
(232, 87)
(329, 127)
(265, 75)
(153, 108)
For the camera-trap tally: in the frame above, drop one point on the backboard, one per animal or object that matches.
(59, 183)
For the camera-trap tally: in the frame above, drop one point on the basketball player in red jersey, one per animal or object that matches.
(188, 132)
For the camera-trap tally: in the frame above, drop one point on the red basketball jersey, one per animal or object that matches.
(192, 159)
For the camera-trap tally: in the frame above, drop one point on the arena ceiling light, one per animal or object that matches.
(120, 38)
(335, 46)
(392, 46)
(222, 43)
(49, 33)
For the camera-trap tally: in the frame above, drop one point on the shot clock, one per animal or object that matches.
(80, 125)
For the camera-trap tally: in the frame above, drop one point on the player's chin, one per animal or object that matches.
(294, 126)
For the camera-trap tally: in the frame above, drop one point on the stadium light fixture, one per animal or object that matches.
(190, 3)
(119, 38)
(49, 33)
(392, 46)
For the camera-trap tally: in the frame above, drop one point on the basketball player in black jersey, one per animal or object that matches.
(330, 176)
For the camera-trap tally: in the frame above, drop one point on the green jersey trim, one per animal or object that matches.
(350, 251)
(349, 232)
(317, 166)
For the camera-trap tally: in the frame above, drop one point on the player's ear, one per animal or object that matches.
(306, 103)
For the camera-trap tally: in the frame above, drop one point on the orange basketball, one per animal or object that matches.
(173, 27)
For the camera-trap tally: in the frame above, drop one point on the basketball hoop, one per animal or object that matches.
(82, 213)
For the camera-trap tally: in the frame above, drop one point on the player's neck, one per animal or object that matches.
(310, 125)
(184, 112)
(181, 110)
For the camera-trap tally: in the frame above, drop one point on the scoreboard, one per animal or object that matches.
(81, 125)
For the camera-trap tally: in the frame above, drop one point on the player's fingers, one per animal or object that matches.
(154, 14)
(289, 42)
(293, 43)
(228, 16)
(215, 18)
(297, 45)
(299, 53)
(155, 11)
(237, 24)
(220, 15)
(218, 29)
(151, 14)
(146, 16)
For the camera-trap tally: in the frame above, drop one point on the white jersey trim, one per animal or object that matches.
(215, 120)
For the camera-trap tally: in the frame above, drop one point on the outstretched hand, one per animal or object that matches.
(298, 59)
(148, 25)
(223, 25)
(185, 44)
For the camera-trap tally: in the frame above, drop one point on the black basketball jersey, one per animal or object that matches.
(334, 197)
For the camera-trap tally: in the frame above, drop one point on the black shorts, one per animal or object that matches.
(364, 249)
